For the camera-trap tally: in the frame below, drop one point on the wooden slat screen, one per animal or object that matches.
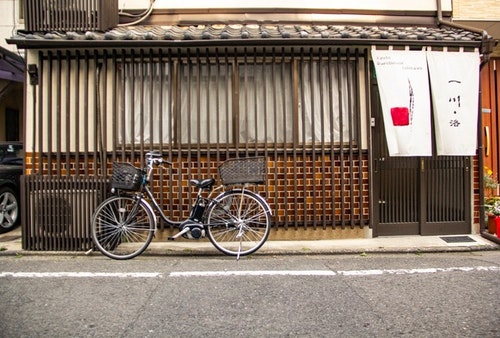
(199, 107)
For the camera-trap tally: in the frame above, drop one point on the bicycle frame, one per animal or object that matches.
(154, 205)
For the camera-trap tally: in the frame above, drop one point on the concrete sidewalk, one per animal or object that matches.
(10, 244)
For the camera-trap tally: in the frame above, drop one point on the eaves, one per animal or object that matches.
(242, 35)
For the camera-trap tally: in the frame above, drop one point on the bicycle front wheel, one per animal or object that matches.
(239, 222)
(122, 227)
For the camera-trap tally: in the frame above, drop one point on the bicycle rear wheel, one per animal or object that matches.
(122, 227)
(239, 222)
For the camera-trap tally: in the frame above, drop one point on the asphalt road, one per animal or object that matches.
(406, 295)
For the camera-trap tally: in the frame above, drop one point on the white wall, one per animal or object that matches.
(9, 21)
(407, 5)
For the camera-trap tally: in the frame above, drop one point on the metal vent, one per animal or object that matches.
(71, 15)
(57, 212)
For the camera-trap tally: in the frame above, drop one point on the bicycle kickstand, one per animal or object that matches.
(239, 235)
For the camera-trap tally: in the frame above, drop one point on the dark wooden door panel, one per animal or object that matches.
(417, 195)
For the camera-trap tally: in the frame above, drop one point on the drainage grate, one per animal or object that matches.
(457, 239)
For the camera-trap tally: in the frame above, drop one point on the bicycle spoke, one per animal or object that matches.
(122, 227)
(239, 223)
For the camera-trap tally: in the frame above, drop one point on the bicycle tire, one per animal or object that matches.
(123, 227)
(238, 222)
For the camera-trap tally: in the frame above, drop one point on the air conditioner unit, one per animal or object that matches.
(70, 15)
(62, 214)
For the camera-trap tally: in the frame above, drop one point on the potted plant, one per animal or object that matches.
(492, 200)
(490, 183)
(493, 212)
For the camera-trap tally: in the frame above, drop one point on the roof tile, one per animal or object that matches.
(267, 31)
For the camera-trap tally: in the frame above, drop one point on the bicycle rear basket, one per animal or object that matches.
(125, 176)
(243, 170)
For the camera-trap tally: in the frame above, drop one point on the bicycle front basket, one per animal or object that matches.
(125, 176)
(243, 170)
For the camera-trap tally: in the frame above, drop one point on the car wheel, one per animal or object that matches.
(9, 209)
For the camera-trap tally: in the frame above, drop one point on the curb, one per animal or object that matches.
(304, 251)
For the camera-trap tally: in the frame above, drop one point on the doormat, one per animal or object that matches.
(457, 239)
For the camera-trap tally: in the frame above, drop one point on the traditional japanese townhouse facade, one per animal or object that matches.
(297, 87)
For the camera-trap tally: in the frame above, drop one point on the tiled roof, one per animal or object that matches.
(252, 32)
(288, 31)
(11, 66)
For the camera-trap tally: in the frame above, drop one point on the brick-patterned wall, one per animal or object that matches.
(60, 166)
(318, 192)
(476, 215)
(300, 192)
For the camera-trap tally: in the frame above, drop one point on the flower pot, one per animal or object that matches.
(497, 221)
(492, 223)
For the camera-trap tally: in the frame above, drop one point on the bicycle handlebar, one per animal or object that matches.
(155, 158)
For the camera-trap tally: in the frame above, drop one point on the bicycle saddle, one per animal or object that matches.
(204, 184)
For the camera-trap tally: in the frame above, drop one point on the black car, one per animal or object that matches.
(11, 169)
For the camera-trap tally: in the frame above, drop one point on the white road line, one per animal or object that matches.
(416, 271)
(331, 272)
(246, 273)
(81, 274)
(253, 273)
